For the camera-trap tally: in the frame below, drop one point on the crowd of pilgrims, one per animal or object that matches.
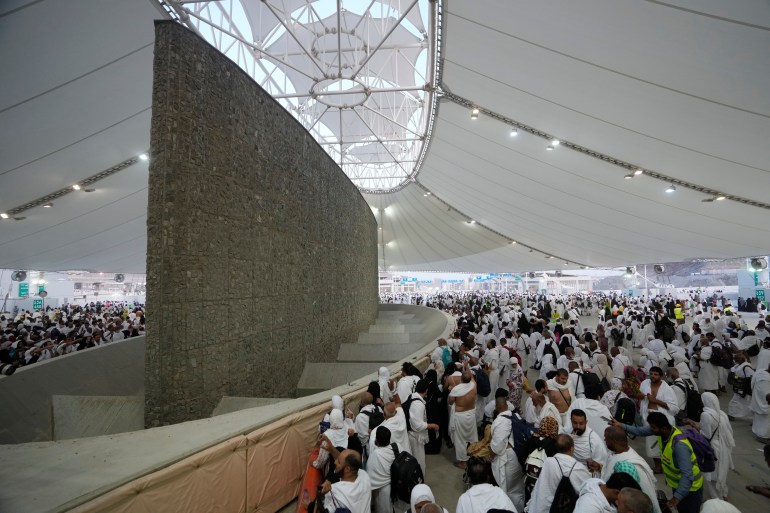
(30, 337)
(562, 442)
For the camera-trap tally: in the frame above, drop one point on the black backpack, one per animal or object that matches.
(483, 387)
(685, 337)
(406, 406)
(548, 348)
(405, 474)
(521, 432)
(565, 498)
(721, 357)
(694, 403)
(625, 412)
(376, 417)
(591, 380)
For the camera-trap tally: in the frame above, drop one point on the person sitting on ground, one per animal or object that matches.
(482, 496)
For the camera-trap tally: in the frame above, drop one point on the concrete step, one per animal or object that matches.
(80, 416)
(229, 404)
(320, 376)
(385, 338)
(376, 328)
(385, 353)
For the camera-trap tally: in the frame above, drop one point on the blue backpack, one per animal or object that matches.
(521, 432)
(701, 446)
(446, 357)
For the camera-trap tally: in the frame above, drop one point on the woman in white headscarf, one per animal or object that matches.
(602, 369)
(421, 495)
(715, 426)
(515, 383)
(337, 432)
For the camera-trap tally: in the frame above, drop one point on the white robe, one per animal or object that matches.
(590, 445)
(723, 443)
(594, 411)
(378, 468)
(356, 495)
(739, 406)
(550, 475)
(665, 394)
(760, 387)
(398, 434)
(591, 499)
(505, 465)
(481, 498)
(708, 376)
(647, 480)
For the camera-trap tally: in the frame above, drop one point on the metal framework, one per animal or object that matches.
(360, 75)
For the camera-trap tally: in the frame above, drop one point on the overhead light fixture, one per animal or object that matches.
(531, 250)
(475, 114)
(513, 242)
(514, 132)
(566, 263)
(143, 156)
(48, 205)
(76, 187)
(424, 195)
(549, 256)
(638, 172)
(549, 147)
(629, 176)
(4, 215)
(671, 188)
(555, 142)
(720, 197)
(471, 221)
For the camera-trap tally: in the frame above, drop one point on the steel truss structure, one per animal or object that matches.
(360, 75)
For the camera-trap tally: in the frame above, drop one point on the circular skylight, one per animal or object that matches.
(360, 77)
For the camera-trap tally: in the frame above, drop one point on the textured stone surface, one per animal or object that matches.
(260, 249)
(79, 416)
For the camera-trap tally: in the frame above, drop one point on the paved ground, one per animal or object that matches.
(446, 480)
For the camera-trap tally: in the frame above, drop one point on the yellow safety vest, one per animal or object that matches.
(678, 313)
(670, 470)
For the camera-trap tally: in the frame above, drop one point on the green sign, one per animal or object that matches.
(630, 292)
(41, 287)
(760, 294)
(23, 289)
(37, 304)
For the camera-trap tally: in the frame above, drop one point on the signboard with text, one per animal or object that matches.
(37, 304)
(23, 289)
(760, 294)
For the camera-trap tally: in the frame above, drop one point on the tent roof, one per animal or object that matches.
(677, 88)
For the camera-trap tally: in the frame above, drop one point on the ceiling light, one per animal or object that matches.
(76, 187)
(555, 142)
(638, 172)
(48, 205)
(472, 221)
(475, 114)
(549, 147)
(513, 242)
(566, 263)
(428, 193)
(629, 176)
(671, 188)
(549, 256)
(720, 197)
(19, 218)
(143, 156)
(424, 195)
(514, 132)
(4, 215)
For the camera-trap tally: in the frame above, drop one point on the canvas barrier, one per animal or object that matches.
(260, 472)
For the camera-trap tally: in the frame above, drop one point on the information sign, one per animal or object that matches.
(37, 304)
(23, 289)
(760, 294)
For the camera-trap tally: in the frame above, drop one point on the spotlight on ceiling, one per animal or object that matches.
(76, 187)
(638, 172)
(758, 264)
(4, 215)
(629, 176)
(514, 132)
(143, 156)
(566, 263)
(720, 197)
(671, 188)
(549, 147)
(555, 142)
(471, 221)
(119, 278)
(475, 114)
(89, 190)
(630, 271)
(513, 242)
(48, 205)
(707, 200)
(659, 269)
(549, 256)
(19, 275)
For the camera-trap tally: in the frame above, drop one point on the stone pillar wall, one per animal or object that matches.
(261, 253)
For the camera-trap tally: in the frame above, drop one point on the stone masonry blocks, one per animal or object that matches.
(261, 253)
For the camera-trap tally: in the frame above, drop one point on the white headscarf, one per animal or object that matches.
(420, 493)
(338, 403)
(515, 368)
(337, 433)
(718, 506)
(711, 406)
